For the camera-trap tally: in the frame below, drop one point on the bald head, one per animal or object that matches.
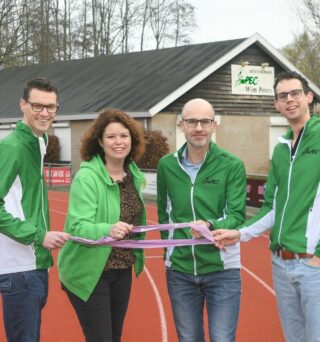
(197, 106)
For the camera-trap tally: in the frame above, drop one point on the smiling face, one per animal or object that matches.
(39, 122)
(294, 110)
(116, 142)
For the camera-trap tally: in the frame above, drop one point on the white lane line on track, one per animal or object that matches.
(163, 323)
(58, 212)
(57, 200)
(259, 280)
(154, 257)
(164, 330)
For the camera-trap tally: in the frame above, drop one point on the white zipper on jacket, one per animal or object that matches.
(43, 150)
(192, 205)
(292, 159)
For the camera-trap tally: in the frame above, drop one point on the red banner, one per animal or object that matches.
(57, 175)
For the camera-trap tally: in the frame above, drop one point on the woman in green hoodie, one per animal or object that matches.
(105, 200)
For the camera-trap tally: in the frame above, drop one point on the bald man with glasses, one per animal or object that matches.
(201, 182)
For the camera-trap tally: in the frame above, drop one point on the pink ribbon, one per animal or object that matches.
(106, 240)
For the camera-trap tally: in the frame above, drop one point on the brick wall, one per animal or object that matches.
(77, 130)
(167, 124)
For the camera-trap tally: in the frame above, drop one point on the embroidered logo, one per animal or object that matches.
(311, 151)
(211, 181)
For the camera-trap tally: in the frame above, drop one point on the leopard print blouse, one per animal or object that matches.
(131, 210)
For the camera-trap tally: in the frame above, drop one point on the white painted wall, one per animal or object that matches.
(63, 131)
(278, 127)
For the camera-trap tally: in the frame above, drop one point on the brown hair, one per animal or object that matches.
(40, 84)
(288, 75)
(90, 141)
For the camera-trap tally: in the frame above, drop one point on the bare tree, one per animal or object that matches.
(10, 30)
(183, 21)
(303, 52)
(45, 31)
(145, 14)
(159, 19)
(310, 15)
(130, 20)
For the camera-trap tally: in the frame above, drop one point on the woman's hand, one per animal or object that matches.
(120, 229)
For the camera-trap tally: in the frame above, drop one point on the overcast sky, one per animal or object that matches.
(275, 20)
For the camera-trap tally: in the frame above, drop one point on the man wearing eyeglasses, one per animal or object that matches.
(292, 210)
(25, 239)
(203, 183)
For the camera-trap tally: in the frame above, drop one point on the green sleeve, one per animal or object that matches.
(236, 193)
(11, 225)
(82, 211)
(162, 197)
(317, 251)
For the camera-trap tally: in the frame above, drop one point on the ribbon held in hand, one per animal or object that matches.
(105, 240)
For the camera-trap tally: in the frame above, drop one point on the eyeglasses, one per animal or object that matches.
(38, 107)
(295, 94)
(192, 123)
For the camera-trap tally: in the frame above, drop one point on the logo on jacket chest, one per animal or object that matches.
(211, 181)
(311, 151)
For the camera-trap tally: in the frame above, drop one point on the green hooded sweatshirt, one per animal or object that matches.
(94, 206)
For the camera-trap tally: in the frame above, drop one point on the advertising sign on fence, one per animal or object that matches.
(151, 183)
(57, 175)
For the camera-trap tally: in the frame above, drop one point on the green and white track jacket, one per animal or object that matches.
(24, 214)
(292, 197)
(218, 194)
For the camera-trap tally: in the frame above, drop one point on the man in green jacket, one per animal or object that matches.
(292, 210)
(204, 183)
(25, 239)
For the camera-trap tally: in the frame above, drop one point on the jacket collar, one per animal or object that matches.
(309, 126)
(213, 150)
(97, 165)
(27, 133)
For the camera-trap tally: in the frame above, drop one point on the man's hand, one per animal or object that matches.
(54, 239)
(226, 237)
(314, 261)
(197, 235)
(120, 229)
(194, 233)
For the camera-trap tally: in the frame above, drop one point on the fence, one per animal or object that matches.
(255, 189)
(57, 174)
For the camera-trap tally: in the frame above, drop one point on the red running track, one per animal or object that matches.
(149, 316)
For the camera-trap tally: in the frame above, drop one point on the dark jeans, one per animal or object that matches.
(24, 294)
(102, 316)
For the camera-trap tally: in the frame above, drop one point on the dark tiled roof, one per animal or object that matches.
(134, 82)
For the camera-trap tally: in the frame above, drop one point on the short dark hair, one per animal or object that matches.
(90, 141)
(288, 75)
(40, 84)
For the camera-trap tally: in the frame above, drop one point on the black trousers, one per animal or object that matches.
(102, 316)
